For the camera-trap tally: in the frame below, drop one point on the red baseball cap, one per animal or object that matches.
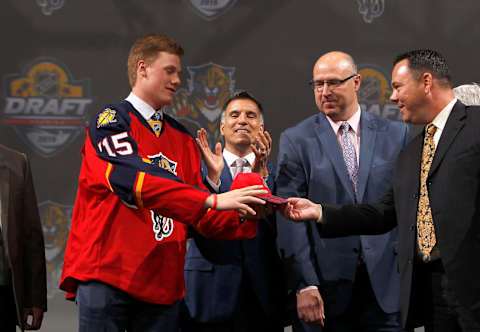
(250, 179)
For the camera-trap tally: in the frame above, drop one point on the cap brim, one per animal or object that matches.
(272, 199)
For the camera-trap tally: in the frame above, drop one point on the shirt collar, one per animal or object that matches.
(441, 119)
(141, 106)
(354, 122)
(231, 157)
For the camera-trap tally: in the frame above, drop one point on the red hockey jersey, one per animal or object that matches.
(137, 194)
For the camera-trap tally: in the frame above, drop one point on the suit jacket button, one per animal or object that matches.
(355, 250)
(415, 196)
(409, 261)
(412, 227)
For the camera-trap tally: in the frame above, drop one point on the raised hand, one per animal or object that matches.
(262, 148)
(213, 161)
(301, 209)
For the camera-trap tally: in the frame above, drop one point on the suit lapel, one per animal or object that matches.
(414, 153)
(329, 144)
(225, 178)
(368, 133)
(454, 123)
(4, 196)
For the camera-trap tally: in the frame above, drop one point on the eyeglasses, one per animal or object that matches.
(332, 84)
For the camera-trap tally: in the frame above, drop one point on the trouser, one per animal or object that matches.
(103, 308)
(249, 316)
(8, 312)
(363, 313)
(444, 313)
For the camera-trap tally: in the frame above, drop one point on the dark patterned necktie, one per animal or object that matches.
(156, 123)
(239, 166)
(349, 155)
(425, 227)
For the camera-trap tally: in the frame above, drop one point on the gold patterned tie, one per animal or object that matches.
(425, 227)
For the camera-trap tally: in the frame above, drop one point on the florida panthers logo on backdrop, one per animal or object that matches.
(200, 105)
(162, 226)
(45, 105)
(56, 220)
(371, 9)
(211, 9)
(375, 92)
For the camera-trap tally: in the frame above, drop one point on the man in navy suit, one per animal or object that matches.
(340, 155)
(235, 285)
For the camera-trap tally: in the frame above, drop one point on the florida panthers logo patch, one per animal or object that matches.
(162, 226)
(163, 162)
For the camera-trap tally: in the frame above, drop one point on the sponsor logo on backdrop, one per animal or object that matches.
(200, 105)
(211, 9)
(56, 219)
(375, 92)
(46, 106)
(370, 9)
(48, 6)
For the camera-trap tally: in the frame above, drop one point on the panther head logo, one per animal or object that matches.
(201, 104)
(55, 227)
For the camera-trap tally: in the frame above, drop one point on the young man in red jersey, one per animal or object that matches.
(138, 190)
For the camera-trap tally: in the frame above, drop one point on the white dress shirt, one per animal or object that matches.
(141, 106)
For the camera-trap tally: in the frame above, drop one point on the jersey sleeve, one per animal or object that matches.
(116, 165)
(112, 158)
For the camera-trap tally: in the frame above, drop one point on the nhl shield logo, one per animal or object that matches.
(56, 220)
(200, 105)
(45, 105)
(48, 6)
(374, 93)
(211, 9)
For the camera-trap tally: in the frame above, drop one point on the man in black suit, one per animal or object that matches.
(434, 200)
(23, 286)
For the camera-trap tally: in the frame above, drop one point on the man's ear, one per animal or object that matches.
(357, 82)
(141, 68)
(222, 126)
(427, 80)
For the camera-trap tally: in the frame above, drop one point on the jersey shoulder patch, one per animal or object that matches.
(107, 117)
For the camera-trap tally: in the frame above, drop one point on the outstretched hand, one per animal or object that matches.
(301, 209)
(238, 199)
(213, 161)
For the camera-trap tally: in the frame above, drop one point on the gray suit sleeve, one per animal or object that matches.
(293, 240)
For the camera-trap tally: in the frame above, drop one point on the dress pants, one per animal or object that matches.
(103, 308)
(363, 313)
(8, 312)
(249, 316)
(444, 313)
